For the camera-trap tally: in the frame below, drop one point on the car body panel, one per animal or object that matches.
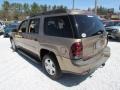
(9, 28)
(80, 67)
(93, 54)
(93, 45)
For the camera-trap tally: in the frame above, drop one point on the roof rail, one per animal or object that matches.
(68, 11)
(50, 12)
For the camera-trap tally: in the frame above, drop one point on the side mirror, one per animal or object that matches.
(14, 30)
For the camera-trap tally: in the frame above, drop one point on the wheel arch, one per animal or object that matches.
(45, 52)
(54, 52)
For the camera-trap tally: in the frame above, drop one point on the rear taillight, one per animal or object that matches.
(76, 51)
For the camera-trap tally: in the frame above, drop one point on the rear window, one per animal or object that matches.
(88, 25)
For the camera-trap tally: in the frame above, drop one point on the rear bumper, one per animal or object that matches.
(80, 67)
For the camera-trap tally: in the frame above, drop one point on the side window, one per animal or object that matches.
(115, 23)
(23, 26)
(118, 24)
(58, 26)
(34, 26)
(51, 27)
(110, 23)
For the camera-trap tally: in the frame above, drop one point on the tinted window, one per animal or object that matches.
(13, 26)
(34, 25)
(117, 22)
(58, 26)
(88, 25)
(23, 26)
(109, 24)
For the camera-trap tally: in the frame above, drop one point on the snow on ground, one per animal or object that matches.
(20, 73)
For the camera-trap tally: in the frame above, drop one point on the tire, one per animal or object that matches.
(51, 67)
(13, 46)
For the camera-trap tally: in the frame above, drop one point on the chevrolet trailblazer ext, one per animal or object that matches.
(65, 41)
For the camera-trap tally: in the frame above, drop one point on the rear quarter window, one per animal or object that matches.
(58, 26)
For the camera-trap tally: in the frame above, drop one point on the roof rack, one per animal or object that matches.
(69, 11)
(50, 12)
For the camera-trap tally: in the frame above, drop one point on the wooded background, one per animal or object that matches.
(17, 11)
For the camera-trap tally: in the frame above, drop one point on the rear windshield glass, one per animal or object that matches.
(88, 25)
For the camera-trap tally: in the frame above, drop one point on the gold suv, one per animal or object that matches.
(71, 41)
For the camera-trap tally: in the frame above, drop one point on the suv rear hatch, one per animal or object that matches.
(93, 35)
(93, 45)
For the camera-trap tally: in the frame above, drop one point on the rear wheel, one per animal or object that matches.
(13, 45)
(51, 67)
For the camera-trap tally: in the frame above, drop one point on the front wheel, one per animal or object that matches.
(51, 67)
